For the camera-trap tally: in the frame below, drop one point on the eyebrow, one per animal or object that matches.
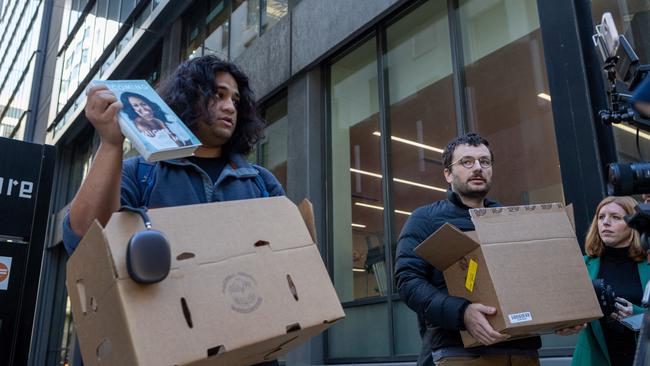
(229, 89)
(474, 157)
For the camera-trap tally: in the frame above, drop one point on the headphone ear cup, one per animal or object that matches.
(148, 257)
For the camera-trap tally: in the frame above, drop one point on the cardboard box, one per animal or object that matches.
(247, 285)
(523, 260)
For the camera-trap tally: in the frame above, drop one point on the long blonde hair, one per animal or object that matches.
(594, 245)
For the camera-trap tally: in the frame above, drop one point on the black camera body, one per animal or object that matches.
(624, 69)
(606, 296)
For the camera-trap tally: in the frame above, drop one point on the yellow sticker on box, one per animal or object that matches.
(471, 275)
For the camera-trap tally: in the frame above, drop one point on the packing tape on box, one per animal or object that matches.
(471, 275)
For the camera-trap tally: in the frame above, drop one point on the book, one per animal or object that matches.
(149, 123)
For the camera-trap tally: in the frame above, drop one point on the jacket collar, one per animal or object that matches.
(237, 167)
(454, 198)
(593, 266)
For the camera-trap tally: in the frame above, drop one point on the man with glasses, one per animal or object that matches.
(468, 170)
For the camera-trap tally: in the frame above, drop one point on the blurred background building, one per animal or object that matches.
(360, 97)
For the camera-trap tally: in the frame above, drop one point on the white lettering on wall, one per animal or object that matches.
(24, 191)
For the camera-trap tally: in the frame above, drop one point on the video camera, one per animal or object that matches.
(624, 74)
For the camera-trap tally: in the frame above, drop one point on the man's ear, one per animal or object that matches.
(447, 173)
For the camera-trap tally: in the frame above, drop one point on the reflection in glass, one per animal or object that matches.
(244, 23)
(407, 336)
(422, 119)
(359, 267)
(273, 149)
(363, 332)
(217, 26)
(99, 12)
(274, 11)
(507, 98)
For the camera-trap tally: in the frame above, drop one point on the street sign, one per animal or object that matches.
(26, 173)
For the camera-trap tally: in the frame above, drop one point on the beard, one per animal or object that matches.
(467, 190)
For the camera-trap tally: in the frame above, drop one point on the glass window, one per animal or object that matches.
(244, 23)
(99, 12)
(632, 19)
(195, 31)
(363, 332)
(356, 177)
(359, 267)
(508, 103)
(508, 99)
(217, 26)
(273, 149)
(273, 12)
(88, 30)
(419, 71)
(126, 9)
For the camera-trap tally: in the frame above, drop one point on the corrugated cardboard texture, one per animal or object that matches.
(529, 267)
(446, 246)
(94, 299)
(521, 223)
(483, 290)
(247, 284)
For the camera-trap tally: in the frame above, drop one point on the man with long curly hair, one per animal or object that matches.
(214, 99)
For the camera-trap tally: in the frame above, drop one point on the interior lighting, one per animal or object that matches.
(631, 130)
(374, 207)
(359, 226)
(544, 96)
(398, 180)
(410, 142)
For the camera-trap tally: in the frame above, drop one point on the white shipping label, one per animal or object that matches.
(526, 316)
(5, 270)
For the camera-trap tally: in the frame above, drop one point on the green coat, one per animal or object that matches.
(591, 349)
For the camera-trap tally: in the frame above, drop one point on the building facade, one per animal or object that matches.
(23, 37)
(360, 97)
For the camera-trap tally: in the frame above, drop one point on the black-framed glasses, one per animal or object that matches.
(468, 162)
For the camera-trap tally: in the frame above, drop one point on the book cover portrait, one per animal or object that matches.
(149, 123)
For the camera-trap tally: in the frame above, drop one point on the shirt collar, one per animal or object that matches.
(454, 198)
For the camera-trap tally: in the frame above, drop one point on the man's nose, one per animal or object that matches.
(228, 105)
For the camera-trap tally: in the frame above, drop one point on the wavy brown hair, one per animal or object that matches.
(594, 245)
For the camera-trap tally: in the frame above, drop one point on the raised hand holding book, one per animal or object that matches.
(149, 123)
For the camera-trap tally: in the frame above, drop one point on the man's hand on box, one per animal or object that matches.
(571, 330)
(478, 326)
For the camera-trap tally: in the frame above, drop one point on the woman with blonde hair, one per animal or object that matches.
(614, 255)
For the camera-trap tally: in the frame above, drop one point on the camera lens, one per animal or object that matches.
(628, 179)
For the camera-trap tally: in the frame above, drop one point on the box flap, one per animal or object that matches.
(445, 246)
(569, 212)
(307, 211)
(521, 223)
(197, 232)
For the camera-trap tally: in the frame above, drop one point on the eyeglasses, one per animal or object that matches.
(468, 162)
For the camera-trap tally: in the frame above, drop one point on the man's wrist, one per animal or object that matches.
(111, 147)
(461, 315)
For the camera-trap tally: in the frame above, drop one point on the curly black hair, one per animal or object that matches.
(128, 108)
(191, 88)
(472, 139)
